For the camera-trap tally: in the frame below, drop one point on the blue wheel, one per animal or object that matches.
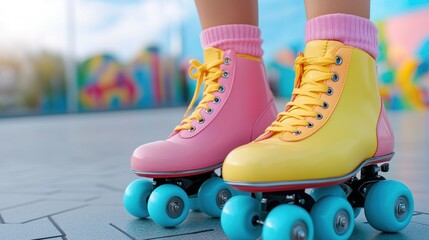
(168, 205)
(136, 196)
(336, 190)
(288, 222)
(333, 218)
(239, 217)
(389, 206)
(213, 195)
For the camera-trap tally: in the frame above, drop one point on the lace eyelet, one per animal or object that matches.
(192, 129)
(209, 111)
(225, 74)
(310, 125)
(335, 77)
(297, 133)
(319, 116)
(338, 60)
(221, 89)
(325, 105)
(330, 91)
(201, 121)
(216, 100)
(227, 61)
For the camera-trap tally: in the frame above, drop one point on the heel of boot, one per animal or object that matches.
(385, 138)
(264, 120)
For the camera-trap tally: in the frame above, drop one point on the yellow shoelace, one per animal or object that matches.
(207, 73)
(306, 94)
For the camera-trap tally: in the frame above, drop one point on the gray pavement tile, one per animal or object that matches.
(71, 196)
(92, 222)
(419, 223)
(112, 198)
(31, 190)
(413, 231)
(11, 200)
(421, 202)
(42, 228)
(92, 188)
(30, 212)
(422, 218)
(88, 190)
(49, 176)
(203, 235)
(121, 180)
(110, 187)
(196, 226)
(51, 238)
(80, 182)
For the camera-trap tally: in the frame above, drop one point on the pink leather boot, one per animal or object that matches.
(235, 108)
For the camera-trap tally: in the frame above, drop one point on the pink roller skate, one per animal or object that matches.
(236, 107)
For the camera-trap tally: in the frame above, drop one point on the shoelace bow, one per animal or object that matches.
(207, 73)
(305, 95)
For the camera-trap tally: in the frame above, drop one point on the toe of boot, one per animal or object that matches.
(157, 157)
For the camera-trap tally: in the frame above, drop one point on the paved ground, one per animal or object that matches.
(62, 177)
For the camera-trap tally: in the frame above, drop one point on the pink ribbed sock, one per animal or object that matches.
(242, 38)
(351, 30)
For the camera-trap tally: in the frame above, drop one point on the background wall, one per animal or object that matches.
(59, 56)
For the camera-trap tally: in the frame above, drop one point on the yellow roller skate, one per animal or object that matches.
(334, 127)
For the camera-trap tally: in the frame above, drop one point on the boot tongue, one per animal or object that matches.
(314, 49)
(321, 48)
(212, 54)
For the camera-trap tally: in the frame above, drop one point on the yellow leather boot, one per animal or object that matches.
(327, 130)
(334, 126)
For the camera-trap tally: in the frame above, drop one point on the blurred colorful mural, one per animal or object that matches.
(58, 56)
(146, 81)
(404, 60)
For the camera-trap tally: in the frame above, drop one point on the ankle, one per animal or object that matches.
(349, 29)
(244, 39)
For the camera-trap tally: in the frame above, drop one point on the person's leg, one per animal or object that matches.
(346, 21)
(315, 8)
(223, 12)
(230, 25)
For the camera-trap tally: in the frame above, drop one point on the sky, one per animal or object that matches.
(124, 27)
(22, 24)
(119, 27)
